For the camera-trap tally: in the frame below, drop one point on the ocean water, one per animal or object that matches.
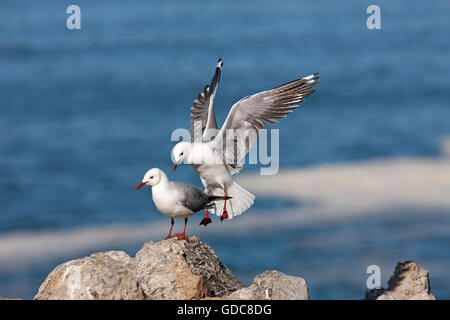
(84, 113)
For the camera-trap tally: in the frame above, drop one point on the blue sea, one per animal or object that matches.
(85, 113)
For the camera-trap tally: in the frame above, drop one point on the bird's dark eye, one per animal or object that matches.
(151, 177)
(181, 154)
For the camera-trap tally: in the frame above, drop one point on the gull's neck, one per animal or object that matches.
(196, 153)
(163, 182)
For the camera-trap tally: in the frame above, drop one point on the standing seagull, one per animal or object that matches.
(176, 199)
(216, 155)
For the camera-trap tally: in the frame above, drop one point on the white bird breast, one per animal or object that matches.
(167, 202)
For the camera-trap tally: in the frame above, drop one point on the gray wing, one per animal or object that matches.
(192, 197)
(250, 114)
(202, 112)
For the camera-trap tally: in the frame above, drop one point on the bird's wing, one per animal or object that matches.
(191, 197)
(202, 111)
(250, 114)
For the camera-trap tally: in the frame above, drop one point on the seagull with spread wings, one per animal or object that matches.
(216, 155)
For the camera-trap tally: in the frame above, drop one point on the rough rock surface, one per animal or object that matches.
(410, 281)
(168, 269)
(273, 285)
(107, 275)
(174, 269)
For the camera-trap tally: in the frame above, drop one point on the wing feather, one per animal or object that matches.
(202, 111)
(250, 114)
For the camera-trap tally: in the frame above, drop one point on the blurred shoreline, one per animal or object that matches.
(327, 193)
(348, 216)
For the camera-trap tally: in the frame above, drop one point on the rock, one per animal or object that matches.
(168, 269)
(173, 269)
(107, 275)
(373, 294)
(273, 285)
(410, 281)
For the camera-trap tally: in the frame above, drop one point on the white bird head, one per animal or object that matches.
(151, 178)
(181, 153)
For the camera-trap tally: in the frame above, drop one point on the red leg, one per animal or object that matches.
(225, 212)
(170, 231)
(206, 219)
(182, 236)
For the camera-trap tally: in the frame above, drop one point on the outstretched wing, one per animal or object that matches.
(250, 114)
(202, 112)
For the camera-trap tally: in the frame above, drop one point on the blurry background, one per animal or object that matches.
(84, 114)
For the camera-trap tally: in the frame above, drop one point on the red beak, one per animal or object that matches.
(175, 166)
(140, 185)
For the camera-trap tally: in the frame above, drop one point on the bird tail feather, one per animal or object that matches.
(216, 198)
(240, 201)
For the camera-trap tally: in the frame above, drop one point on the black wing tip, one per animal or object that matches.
(312, 77)
(311, 80)
(216, 77)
